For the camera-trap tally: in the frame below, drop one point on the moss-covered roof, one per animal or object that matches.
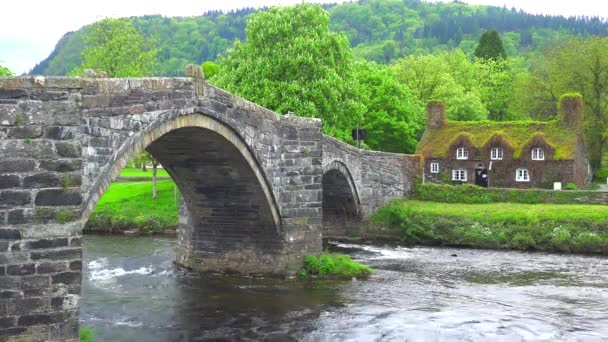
(518, 134)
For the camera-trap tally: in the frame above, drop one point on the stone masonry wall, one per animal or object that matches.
(63, 140)
(378, 176)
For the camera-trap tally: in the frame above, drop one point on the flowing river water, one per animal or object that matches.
(133, 292)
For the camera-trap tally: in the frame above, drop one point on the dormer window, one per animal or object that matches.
(462, 153)
(496, 153)
(538, 153)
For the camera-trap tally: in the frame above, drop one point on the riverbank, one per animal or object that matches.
(542, 227)
(129, 207)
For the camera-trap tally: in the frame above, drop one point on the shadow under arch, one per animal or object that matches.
(229, 217)
(341, 202)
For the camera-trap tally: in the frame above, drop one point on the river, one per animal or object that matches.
(133, 292)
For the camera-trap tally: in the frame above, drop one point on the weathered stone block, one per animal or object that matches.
(68, 150)
(24, 269)
(16, 216)
(45, 243)
(25, 132)
(60, 254)
(51, 267)
(58, 197)
(10, 198)
(61, 165)
(40, 319)
(60, 133)
(67, 278)
(9, 181)
(17, 165)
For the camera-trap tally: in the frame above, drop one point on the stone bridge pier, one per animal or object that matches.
(251, 183)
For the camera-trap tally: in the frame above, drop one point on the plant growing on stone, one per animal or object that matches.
(333, 265)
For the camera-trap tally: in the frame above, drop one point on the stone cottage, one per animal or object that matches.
(517, 154)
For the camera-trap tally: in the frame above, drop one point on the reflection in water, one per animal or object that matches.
(132, 292)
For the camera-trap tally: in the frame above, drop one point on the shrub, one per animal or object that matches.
(337, 265)
(86, 335)
(588, 242)
(570, 186)
(560, 239)
(522, 241)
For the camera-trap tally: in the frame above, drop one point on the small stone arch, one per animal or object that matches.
(341, 202)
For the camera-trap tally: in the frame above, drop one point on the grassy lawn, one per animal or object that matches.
(576, 228)
(512, 211)
(130, 206)
(130, 172)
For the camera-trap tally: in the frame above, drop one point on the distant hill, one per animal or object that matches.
(379, 30)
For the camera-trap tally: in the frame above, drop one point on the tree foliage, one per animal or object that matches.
(579, 65)
(378, 30)
(292, 62)
(490, 46)
(4, 71)
(116, 47)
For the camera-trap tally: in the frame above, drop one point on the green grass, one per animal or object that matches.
(545, 227)
(131, 172)
(335, 266)
(130, 206)
(512, 211)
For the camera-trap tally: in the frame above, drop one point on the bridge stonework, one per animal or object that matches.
(254, 184)
(357, 182)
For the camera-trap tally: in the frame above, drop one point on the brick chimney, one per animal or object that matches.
(435, 115)
(571, 111)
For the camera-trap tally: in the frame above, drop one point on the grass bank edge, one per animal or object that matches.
(539, 227)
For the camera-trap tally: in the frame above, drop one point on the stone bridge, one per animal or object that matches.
(256, 187)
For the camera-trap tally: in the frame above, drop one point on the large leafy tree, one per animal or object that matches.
(117, 48)
(580, 65)
(490, 46)
(291, 61)
(4, 71)
(394, 118)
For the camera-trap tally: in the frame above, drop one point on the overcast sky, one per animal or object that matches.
(29, 29)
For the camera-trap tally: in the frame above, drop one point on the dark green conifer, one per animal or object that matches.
(490, 46)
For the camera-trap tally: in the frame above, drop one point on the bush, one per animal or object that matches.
(522, 241)
(570, 186)
(588, 242)
(86, 335)
(337, 265)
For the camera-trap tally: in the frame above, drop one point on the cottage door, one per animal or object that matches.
(481, 177)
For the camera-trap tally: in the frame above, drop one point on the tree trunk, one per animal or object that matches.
(154, 169)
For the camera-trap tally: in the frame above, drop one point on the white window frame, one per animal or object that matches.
(496, 153)
(462, 153)
(434, 167)
(459, 175)
(538, 153)
(522, 175)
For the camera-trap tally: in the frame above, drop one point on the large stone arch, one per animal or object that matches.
(341, 203)
(229, 220)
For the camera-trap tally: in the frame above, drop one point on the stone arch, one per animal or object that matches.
(139, 142)
(341, 202)
(229, 216)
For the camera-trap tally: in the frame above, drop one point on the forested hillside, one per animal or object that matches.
(378, 30)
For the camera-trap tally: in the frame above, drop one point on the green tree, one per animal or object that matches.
(290, 61)
(116, 47)
(490, 46)
(210, 69)
(394, 118)
(4, 71)
(579, 65)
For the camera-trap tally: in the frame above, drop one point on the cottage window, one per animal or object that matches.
(522, 175)
(538, 153)
(496, 153)
(434, 167)
(462, 153)
(459, 175)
